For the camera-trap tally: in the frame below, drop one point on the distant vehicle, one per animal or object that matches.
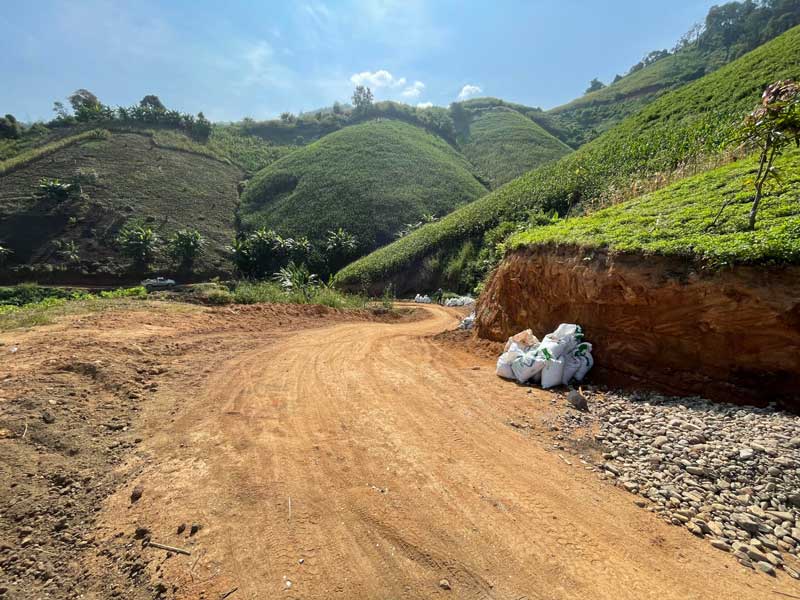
(159, 283)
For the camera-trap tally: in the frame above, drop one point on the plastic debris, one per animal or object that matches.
(561, 357)
(419, 299)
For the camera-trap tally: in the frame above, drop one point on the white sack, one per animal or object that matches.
(527, 365)
(553, 373)
(504, 369)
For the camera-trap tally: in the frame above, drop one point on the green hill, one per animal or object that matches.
(669, 136)
(369, 179)
(584, 118)
(729, 31)
(504, 144)
(163, 180)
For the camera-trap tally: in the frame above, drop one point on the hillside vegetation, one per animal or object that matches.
(369, 179)
(671, 134)
(677, 220)
(126, 177)
(503, 144)
(728, 32)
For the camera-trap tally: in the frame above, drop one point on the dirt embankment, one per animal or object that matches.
(731, 335)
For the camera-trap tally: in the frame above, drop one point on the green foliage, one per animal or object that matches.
(340, 247)
(263, 252)
(160, 178)
(10, 128)
(249, 292)
(55, 189)
(185, 246)
(369, 179)
(28, 305)
(138, 242)
(26, 294)
(388, 297)
(771, 127)
(310, 127)
(297, 279)
(504, 144)
(152, 102)
(678, 128)
(67, 251)
(249, 152)
(362, 98)
(674, 221)
(595, 85)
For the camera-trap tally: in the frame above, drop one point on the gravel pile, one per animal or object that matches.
(727, 473)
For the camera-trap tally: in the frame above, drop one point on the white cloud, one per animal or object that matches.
(413, 90)
(425, 105)
(377, 79)
(468, 91)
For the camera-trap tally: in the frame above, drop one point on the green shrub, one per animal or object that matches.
(185, 246)
(138, 243)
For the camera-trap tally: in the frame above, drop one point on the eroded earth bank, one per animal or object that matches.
(659, 323)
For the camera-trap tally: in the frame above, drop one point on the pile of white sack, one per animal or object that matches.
(460, 301)
(468, 322)
(419, 299)
(558, 359)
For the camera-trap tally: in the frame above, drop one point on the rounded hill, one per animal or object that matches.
(504, 144)
(370, 179)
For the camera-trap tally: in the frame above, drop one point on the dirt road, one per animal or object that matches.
(364, 460)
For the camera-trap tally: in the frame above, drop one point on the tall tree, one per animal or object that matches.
(362, 98)
(152, 102)
(594, 85)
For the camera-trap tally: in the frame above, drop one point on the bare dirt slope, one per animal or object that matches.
(364, 460)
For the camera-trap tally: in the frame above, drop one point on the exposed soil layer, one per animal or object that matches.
(731, 335)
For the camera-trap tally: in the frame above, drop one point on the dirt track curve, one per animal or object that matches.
(365, 460)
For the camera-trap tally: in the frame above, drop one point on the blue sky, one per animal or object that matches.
(234, 59)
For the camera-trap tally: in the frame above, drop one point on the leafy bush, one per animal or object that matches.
(55, 189)
(262, 252)
(138, 243)
(297, 279)
(771, 127)
(5, 253)
(185, 246)
(67, 250)
(10, 128)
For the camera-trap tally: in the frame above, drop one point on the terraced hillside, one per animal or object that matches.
(677, 132)
(504, 144)
(369, 179)
(130, 178)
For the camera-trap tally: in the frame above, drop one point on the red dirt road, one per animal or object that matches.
(365, 460)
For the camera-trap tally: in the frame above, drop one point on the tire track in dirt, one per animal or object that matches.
(402, 471)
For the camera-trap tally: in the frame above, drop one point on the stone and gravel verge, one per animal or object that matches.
(727, 473)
